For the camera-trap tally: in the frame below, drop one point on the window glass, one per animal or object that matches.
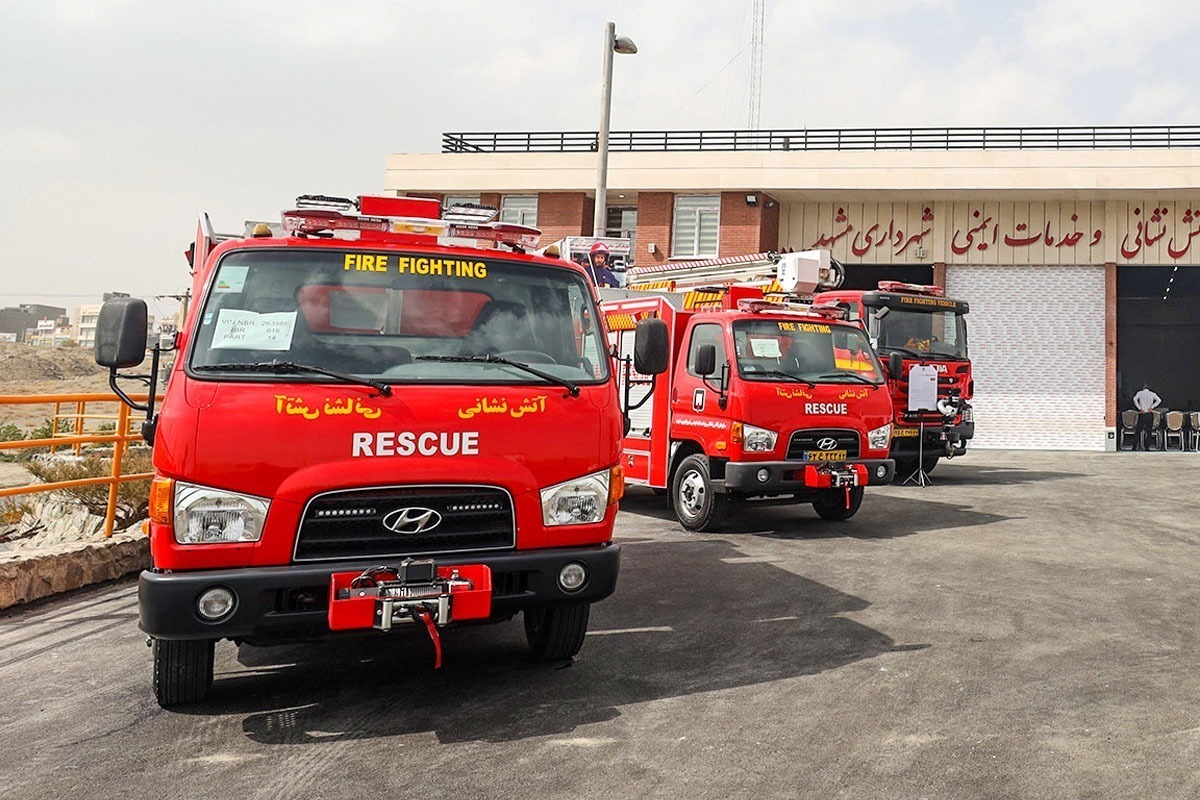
(519, 209)
(702, 335)
(388, 315)
(696, 225)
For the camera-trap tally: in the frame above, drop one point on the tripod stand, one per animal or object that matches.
(920, 477)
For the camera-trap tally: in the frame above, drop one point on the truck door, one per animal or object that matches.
(691, 397)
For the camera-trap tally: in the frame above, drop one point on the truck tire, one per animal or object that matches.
(183, 671)
(555, 632)
(697, 506)
(832, 504)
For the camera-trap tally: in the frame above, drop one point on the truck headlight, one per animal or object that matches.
(577, 501)
(213, 516)
(967, 414)
(757, 440)
(880, 438)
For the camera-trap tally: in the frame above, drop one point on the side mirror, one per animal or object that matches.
(896, 365)
(121, 333)
(706, 360)
(650, 347)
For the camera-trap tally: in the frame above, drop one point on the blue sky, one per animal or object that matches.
(122, 119)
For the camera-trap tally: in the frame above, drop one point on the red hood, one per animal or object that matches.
(788, 407)
(289, 441)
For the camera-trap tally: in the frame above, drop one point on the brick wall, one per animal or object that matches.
(742, 224)
(654, 227)
(563, 214)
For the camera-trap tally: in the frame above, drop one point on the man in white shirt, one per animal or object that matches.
(1145, 402)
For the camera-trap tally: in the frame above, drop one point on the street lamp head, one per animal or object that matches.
(624, 45)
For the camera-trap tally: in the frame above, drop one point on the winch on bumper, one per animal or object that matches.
(779, 477)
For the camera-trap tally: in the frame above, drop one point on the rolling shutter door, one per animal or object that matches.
(1036, 337)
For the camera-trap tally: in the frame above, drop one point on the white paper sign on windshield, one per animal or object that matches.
(922, 388)
(765, 348)
(247, 330)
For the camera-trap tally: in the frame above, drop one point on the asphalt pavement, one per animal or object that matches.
(1023, 628)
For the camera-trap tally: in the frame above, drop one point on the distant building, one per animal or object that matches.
(16, 321)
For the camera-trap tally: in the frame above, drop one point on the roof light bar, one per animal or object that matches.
(502, 232)
(918, 288)
(829, 310)
(327, 202)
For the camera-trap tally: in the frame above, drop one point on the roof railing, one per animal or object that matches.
(1039, 138)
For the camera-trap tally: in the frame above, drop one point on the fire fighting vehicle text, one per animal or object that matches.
(913, 324)
(761, 400)
(366, 427)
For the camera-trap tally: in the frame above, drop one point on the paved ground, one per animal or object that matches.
(1025, 628)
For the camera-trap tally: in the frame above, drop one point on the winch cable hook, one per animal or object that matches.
(423, 615)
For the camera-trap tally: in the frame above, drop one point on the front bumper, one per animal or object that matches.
(785, 477)
(288, 601)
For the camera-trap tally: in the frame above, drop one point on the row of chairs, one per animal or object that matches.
(1171, 427)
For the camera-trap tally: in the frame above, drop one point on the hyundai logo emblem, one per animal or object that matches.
(827, 443)
(412, 520)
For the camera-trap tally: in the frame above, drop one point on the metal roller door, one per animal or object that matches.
(1036, 337)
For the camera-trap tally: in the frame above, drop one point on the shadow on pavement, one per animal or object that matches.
(682, 622)
(957, 474)
(882, 516)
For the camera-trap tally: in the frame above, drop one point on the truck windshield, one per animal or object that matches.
(780, 350)
(936, 334)
(397, 317)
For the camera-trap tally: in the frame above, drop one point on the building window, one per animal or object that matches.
(460, 199)
(622, 223)
(694, 233)
(519, 209)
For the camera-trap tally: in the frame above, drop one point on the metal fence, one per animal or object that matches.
(1086, 138)
(73, 414)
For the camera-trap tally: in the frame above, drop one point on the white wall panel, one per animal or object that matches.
(1036, 335)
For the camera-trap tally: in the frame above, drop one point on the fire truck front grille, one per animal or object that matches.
(405, 521)
(812, 440)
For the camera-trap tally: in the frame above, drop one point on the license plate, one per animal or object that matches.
(904, 433)
(825, 455)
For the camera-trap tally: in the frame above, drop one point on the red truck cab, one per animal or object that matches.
(760, 401)
(912, 324)
(367, 425)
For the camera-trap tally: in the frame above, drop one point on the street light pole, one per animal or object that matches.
(612, 44)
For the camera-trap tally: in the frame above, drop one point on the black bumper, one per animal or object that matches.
(786, 477)
(280, 602)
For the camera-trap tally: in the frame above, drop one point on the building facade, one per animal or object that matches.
(1073, 246)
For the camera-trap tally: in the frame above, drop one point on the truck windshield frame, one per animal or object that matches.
(781, 350)
(397, 317)
(936, 335)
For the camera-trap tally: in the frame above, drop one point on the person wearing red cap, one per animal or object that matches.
(600, 270)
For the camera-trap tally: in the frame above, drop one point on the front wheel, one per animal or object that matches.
(183, 670)
(556, 632)
(697, 506)
(831, 504)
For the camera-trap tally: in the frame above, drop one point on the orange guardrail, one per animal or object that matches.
(75, 434)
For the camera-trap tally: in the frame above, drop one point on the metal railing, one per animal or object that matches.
(69, 428)
(1048, 138)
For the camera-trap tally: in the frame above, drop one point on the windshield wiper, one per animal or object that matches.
(845, 373)
(571, 388)
(781, 374)
(291, 367)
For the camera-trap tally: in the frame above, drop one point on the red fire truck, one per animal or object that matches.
(913, 324)
(762, 400)
(372, 420)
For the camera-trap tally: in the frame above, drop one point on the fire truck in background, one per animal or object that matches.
(372, 420)
(913, 324)
(761, 400)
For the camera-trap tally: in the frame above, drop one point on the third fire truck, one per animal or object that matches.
(912, 324)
